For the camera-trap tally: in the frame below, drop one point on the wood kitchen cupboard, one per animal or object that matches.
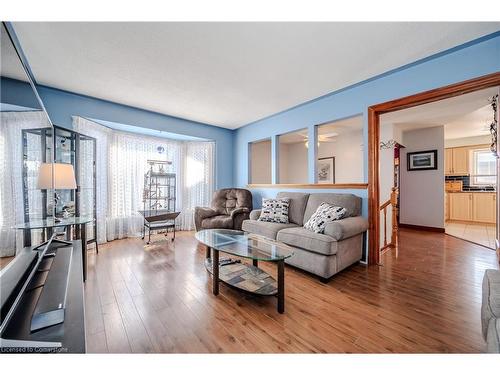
(448, 161)
(461, 206)
(446, 206)
(484, 207)
(456, 161)
(461, 161)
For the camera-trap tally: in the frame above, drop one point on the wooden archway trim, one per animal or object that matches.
(374, 113)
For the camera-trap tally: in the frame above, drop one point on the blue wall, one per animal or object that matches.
(461, 63)
(17, 93)
(61, 105)
(472, 60)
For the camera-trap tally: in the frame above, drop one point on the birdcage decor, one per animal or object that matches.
(159, 198)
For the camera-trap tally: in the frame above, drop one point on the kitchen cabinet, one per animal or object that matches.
(477, 207)
(448, 161)
(461, 160)
(460, 206)
(446, 206)
(484, 207)
(456, 161)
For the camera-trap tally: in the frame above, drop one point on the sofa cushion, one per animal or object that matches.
(490, 308)
(297, 205)
(305, 239)
(263, 228)
(219, 221)
(493, 337)
(274, 210)
(255, 214)
(350, 202)
(326, 213)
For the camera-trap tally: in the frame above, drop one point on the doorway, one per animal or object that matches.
(374, 114)
(453, 188)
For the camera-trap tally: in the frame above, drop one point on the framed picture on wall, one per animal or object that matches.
(422, 160)
(326, 170)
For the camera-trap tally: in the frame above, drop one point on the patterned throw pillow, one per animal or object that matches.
(326, 213)
(275, 210)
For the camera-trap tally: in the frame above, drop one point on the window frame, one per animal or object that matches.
(475, 177)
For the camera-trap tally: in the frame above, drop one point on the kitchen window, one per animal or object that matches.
(484, 168)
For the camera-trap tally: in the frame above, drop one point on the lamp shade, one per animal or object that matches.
(64, 176)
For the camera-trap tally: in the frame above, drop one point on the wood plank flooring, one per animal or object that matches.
(424, 299)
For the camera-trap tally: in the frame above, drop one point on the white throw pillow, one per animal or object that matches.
(326, 213)
(275, 210)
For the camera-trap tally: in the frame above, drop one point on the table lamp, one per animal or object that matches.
(64, 178)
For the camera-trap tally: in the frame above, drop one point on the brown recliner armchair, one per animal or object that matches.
(228, 209)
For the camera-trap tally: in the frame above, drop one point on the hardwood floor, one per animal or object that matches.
(425, 299)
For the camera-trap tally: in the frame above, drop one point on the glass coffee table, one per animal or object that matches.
(247, 277)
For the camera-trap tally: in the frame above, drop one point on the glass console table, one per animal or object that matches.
(78, 223)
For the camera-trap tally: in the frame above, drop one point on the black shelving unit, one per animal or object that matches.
(69, 147)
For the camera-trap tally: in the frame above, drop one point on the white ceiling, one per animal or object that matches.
(462, 116)
(10, 64)
(227, 74)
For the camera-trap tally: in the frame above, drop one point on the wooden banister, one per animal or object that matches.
(393, 202)
(385, 204)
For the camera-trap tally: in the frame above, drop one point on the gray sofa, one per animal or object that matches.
(490, 310)
(321, 254)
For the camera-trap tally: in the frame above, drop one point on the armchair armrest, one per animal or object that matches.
(204, 212)
(255, 214)
(346, 228)
(237, 211)
(201, 213)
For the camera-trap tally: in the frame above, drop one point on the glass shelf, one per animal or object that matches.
(71, 148)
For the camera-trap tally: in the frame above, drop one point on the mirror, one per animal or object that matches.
(24, 152)
(292, 157)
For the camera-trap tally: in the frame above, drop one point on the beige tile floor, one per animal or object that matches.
(479, 233)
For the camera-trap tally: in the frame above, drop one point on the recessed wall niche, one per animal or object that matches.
(260, 162)
(339, 150)
(293, 157)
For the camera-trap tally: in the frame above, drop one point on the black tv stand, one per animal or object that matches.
(67, 336)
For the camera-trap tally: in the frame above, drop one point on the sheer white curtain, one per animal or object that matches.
(197, 182)
(121, 165)
(128, 158)
(11, 174)
(103, 136)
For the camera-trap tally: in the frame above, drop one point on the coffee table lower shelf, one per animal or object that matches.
(249, 279)
(246, 277)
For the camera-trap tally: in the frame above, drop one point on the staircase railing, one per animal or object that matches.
(393, 202)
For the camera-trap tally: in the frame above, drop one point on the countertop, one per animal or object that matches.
(472, 191)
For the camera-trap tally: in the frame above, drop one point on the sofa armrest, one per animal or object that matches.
(255, 214)
(201, 213)
(346, 228)
(241, 210)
